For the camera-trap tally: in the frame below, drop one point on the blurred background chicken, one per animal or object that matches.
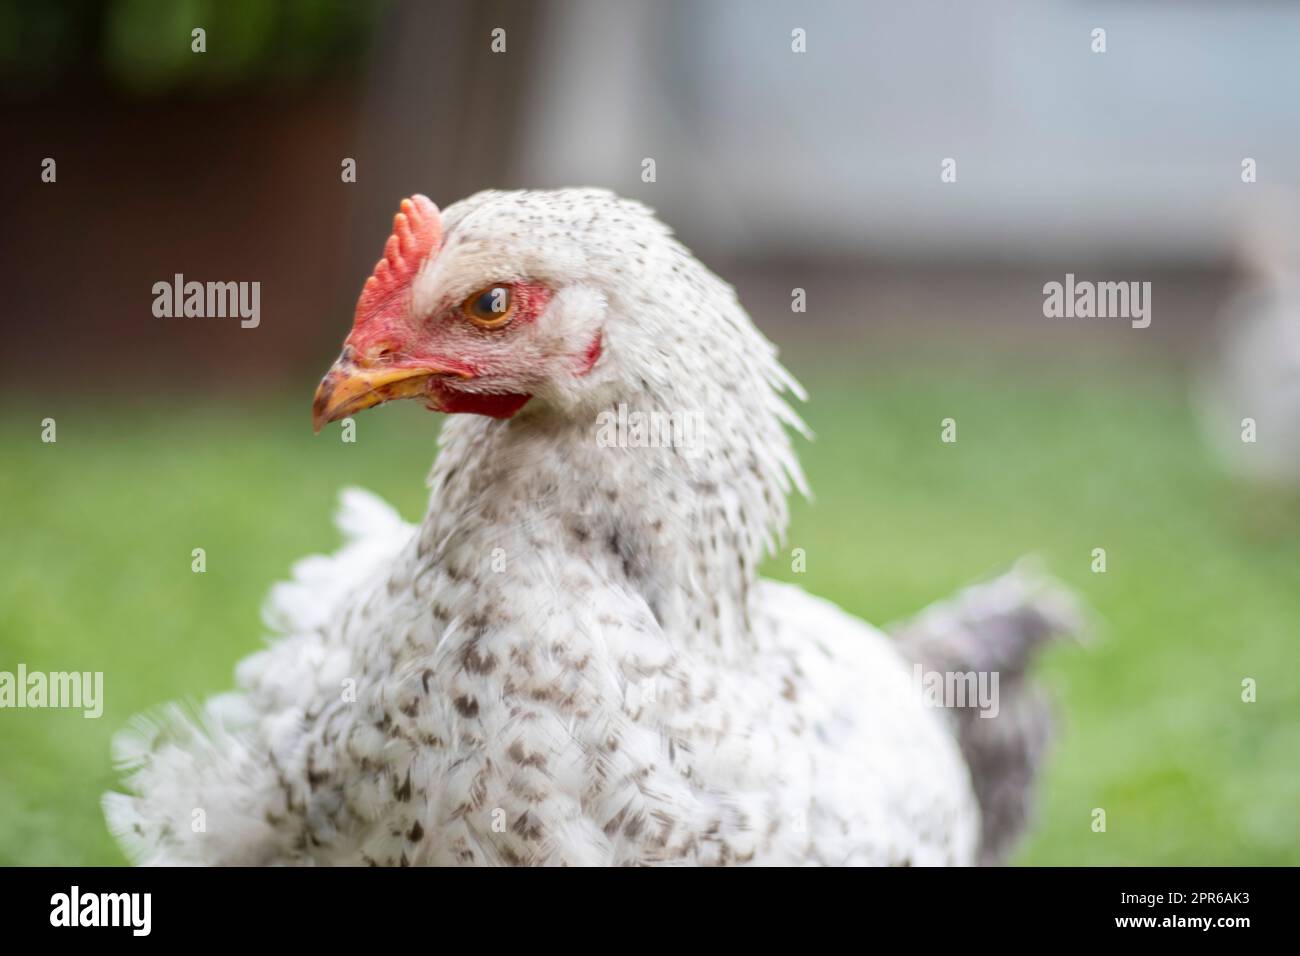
(1249, 387)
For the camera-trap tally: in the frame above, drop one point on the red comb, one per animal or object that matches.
(417, 235)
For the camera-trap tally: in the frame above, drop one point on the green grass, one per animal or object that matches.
(1203, 586)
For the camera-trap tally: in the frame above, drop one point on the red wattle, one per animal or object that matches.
(454, 402)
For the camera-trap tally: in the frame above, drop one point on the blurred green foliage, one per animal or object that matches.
(1203, 586)
(144, 47)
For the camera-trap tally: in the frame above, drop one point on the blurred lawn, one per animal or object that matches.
(1203, 586)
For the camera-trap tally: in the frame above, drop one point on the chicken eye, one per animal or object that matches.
(489, 308)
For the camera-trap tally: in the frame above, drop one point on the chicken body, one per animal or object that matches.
(571, 659)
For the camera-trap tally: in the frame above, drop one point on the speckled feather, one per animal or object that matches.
(571, 659)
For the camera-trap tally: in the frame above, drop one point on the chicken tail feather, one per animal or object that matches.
(992, 631)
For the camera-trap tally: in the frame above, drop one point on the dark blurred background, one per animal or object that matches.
(781, 170)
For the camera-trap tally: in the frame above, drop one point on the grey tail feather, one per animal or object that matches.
(996, 627)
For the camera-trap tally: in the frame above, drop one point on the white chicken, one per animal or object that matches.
(572, 659)
(1248, 390)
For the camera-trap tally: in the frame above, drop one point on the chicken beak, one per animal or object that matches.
(350, 387)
